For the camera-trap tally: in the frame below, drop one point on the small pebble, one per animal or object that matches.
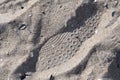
(96, 31)
(22, 7)
(30, 15)
(51, 77)
(116, 3)
(43, 12)
(22, 26)
(113, 13)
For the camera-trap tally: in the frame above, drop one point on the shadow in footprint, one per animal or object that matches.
(114, 68)
(83, 12)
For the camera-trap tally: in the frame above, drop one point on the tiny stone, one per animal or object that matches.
(96, 31)
(22, 7)
(22, 26)
(116, 3)
(113, 13)
(43, 12)
(51, 78)
(30, 15)
(8, 54)
(61, 6)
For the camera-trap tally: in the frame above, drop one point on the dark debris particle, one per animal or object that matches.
(22, 7)
(43, 13)
(22, 77)
(118, 65)
(41, 36)
(52, 78)
(113, 13)
(61, 6)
